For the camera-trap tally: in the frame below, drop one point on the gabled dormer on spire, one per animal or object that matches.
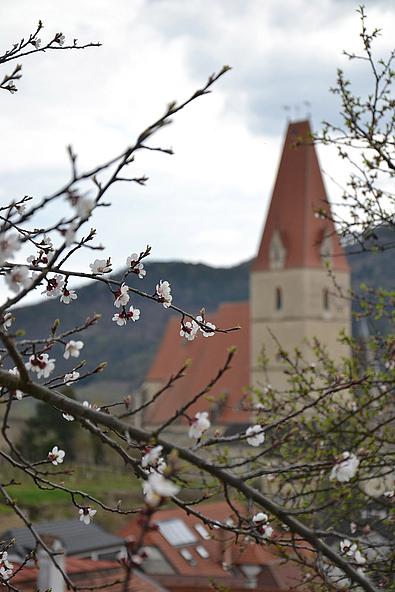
(292, 223)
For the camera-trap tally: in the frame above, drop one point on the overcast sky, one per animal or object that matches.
(207, 202)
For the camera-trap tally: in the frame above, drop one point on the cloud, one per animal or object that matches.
(208, 202)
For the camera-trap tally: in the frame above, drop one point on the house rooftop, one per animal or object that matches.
(87, 572)
(193, 554)
(77, 538)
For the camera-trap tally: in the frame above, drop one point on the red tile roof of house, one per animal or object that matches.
(89, 572)
(208, 354)
(298, 193)
(276, 575)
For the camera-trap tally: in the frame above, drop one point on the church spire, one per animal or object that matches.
(294, 237)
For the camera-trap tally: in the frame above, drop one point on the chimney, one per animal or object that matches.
(49, 577)
(225, 542)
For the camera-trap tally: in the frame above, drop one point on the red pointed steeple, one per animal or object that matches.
(293, 233)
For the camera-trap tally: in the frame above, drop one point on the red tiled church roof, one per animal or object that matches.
(208, 354)
(298, 193)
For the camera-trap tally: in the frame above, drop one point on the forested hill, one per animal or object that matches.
(129, 350)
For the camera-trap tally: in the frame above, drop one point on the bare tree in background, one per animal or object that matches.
(310, 475)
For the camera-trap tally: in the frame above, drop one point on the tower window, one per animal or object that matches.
(277, 252)
(279, 299)
(325, 299)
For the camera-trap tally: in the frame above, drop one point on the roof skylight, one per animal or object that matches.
(176, 532)
(202, 531)
(202, 552)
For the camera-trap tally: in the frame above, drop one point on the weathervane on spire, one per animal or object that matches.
(293, 111)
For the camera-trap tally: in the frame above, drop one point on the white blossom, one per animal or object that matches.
(346, 469)
(121, 296)
(90, 405)
(260, 517)
(255, 435)
(347, 547)
(56, 456)
(157, 487)
(84, 206)
(6, 321)
(68, 417)
(69, 234)
(5, 566)
(152, 456)
(207, 326)
(46, 243)
(54, 286)
(199, 424)
(18, 277)
(120, 318)
(73, 349)
(351, 550)
(261, 522)
(71, 377)
(140, 270)
(135, 265)
(189, 330)
(123, 317)
(67, 296)
(9, 244)
(206, 330)
(36, 43)
(18, 394)
(41, 364)
(359, 558)
(100, 266)
(86, 514)
(163, 292)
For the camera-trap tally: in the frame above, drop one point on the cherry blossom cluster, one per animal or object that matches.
(6, 567)
(41, 364)
(17, 394)
(56, 456)
(255, 435)
(189, 329)
(157, 488)
(134, 265)
(344, 470)
(153, 460)
(351, 550)
(163, 292)
(6, 321)
(121, 300)
(198, 425)
(9, 245)
(86, 404)
(86, 514)
(262, 525)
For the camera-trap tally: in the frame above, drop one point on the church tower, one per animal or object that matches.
(292, 296)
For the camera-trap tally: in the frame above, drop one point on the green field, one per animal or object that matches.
(45, 504)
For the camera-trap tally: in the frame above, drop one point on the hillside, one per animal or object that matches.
(129, 350)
